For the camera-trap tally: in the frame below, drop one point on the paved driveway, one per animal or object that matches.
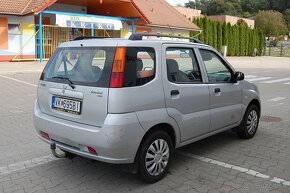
(221, 163)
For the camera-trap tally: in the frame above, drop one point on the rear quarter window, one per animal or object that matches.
(140, 65)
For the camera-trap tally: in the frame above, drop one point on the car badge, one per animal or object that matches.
(64, 88)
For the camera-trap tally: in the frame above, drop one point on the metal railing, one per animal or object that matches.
(281, 49)
(55, 35)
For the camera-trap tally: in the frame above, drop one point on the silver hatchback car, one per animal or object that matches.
(133, 101)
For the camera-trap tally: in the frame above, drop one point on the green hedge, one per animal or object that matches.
(240, 39)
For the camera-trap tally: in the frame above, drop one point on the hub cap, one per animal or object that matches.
(157, 157)
(252, 122)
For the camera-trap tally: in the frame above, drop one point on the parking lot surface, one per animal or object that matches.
(221, 163)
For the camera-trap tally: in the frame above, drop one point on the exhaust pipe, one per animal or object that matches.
(57, 155)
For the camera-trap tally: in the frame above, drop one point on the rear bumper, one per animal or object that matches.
(117, 141)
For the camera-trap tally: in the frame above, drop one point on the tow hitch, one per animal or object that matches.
(57, 155)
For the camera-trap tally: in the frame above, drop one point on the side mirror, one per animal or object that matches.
(239, 76)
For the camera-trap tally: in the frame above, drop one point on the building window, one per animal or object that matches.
(14, 28)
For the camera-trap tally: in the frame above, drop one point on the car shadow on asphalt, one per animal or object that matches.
(212, 143)
(97, 174)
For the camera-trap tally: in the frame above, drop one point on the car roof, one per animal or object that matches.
(106, 42)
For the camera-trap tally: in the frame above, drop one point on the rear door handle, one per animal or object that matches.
(174, 92)
(217, 90)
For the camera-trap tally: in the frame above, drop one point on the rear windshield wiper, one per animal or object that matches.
(70, 83)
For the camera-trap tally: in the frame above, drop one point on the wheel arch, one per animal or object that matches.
(257, 103)
(163, 127)
(166, 127)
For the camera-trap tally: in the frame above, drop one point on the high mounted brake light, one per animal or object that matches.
(117, 75)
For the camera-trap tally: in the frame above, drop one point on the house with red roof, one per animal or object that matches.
(33, 29)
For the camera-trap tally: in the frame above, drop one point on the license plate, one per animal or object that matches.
(66, 105)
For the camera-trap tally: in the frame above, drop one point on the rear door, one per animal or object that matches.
(186, 95)
(225, 95)
(74, 84)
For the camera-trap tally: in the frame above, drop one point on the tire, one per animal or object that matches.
(153, 166)
(250, 123)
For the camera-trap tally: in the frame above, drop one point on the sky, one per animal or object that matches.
(175, 2)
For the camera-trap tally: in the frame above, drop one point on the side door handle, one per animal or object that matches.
(217, 90)
(174, 92)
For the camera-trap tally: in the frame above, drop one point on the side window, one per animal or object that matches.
(216, 69)
(139, 66)
(182, 66)
(99, 59)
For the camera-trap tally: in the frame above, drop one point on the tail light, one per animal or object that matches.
(117, 75)
(88, 149)
(44, 135)
(92, 150)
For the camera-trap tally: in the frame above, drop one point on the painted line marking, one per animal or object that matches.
(258, 79)
(277, 80)
(26, 164)
(276, 105)
(237, 168)
(287, 83)
(277, 99)
(23, 82)
(22, 71)
(250, 76)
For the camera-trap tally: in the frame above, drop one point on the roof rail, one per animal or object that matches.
(139, 36)
(89, 37)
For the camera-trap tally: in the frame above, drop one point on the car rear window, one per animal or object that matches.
(139, 66)
(88, 66)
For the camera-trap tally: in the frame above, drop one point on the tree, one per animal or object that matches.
(287, 18)
(223, 7)
(197, 4)
(242, 22)
(219, 37)
(207, 32)
(214, 34)
(240, 39)
(237, 40)
(271, 23)
(230, 40)
(250, 46)
(278, 5)
(253, 6)
(247, 39)
(211, 33)
(200, 24)
(225, 34)
(248, 6)
(261, 42)
(245, 8)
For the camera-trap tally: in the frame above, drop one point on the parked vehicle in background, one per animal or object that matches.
(133, 101)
